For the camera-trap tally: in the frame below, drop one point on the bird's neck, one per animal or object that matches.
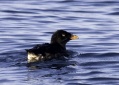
(63, 46)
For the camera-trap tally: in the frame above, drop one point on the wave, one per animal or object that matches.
(114, 13)
(22, 55)
(20, 59)
(109, 54)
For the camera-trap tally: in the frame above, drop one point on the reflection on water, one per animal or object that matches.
(94, 57)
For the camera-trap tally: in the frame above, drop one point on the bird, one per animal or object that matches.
(53, 50)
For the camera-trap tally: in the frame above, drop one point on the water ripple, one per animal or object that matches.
(93, 57)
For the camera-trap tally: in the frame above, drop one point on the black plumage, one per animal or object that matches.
(55, 49)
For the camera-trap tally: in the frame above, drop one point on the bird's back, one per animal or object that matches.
(45, 52)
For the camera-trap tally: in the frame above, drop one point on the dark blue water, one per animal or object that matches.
(94, 56)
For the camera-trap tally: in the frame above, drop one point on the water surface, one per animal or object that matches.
(94, 56)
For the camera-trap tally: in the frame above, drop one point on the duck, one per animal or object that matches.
(53, 50)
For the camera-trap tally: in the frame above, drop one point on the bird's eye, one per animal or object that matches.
(63, 35)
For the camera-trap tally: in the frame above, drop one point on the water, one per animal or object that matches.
(94, 56)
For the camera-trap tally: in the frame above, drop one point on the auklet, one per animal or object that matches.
(55, 49)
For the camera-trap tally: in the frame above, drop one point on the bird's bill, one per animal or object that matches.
(74, 37)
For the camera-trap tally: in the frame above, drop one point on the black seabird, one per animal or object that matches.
(55, 49)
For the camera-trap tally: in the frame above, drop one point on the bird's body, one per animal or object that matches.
(45, 51)
(55, 49)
